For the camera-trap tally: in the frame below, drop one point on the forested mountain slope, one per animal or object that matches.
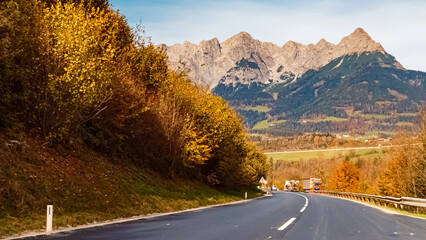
(355, 79)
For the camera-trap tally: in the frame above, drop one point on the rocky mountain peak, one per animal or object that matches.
(241, 38)
(211, 60)
(359, 41)
(360, 32)
(242, 35)
(214, 41)
(188, 43)
(292, 45)
(323, 43)
(211, 45)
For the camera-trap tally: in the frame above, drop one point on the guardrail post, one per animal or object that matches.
(245, 195)
(49, 218)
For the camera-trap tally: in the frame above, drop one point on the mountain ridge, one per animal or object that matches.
(209, 61)
(351, 80)
(353, 88)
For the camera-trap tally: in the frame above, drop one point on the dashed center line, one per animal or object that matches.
(306, 205)
(306, 202)
(286, 224)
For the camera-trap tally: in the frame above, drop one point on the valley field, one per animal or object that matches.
(367, 152)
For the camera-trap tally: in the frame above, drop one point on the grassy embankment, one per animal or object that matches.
(295, 156)
(86, 186)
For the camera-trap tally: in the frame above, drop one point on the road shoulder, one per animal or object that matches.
(123, 220)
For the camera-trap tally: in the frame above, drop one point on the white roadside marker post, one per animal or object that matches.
(49, 218)
(245, 195)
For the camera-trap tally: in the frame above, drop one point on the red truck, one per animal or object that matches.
(312, 184)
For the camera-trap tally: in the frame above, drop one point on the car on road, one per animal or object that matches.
(274, 188)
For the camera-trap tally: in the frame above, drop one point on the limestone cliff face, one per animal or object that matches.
(242, 59)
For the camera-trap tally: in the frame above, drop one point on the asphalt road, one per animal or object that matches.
(294, 216)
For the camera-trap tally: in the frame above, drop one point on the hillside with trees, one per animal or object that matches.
(93, 119)
(396, 171)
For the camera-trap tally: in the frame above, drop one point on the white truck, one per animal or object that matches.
(287, 185)
(291, 185)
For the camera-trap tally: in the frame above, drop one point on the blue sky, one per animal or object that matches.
(400, 26)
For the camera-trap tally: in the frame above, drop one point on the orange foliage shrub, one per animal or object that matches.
(345, 178)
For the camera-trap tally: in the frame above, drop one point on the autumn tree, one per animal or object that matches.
(103, 4)
(20, 24)
(420, 165)
(401, 176)
(345, 178)
(81, 64)
(389, 183)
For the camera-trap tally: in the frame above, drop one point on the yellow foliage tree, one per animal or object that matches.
(420, 166)
(345, 178)
(389, 183)
(80, 47)
(405, 172)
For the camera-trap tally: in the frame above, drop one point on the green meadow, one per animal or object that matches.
(299, 155)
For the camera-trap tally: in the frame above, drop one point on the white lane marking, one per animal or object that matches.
(292, 219)
(395, 233)
(412, 234)
(306, 202)
(286, 224)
